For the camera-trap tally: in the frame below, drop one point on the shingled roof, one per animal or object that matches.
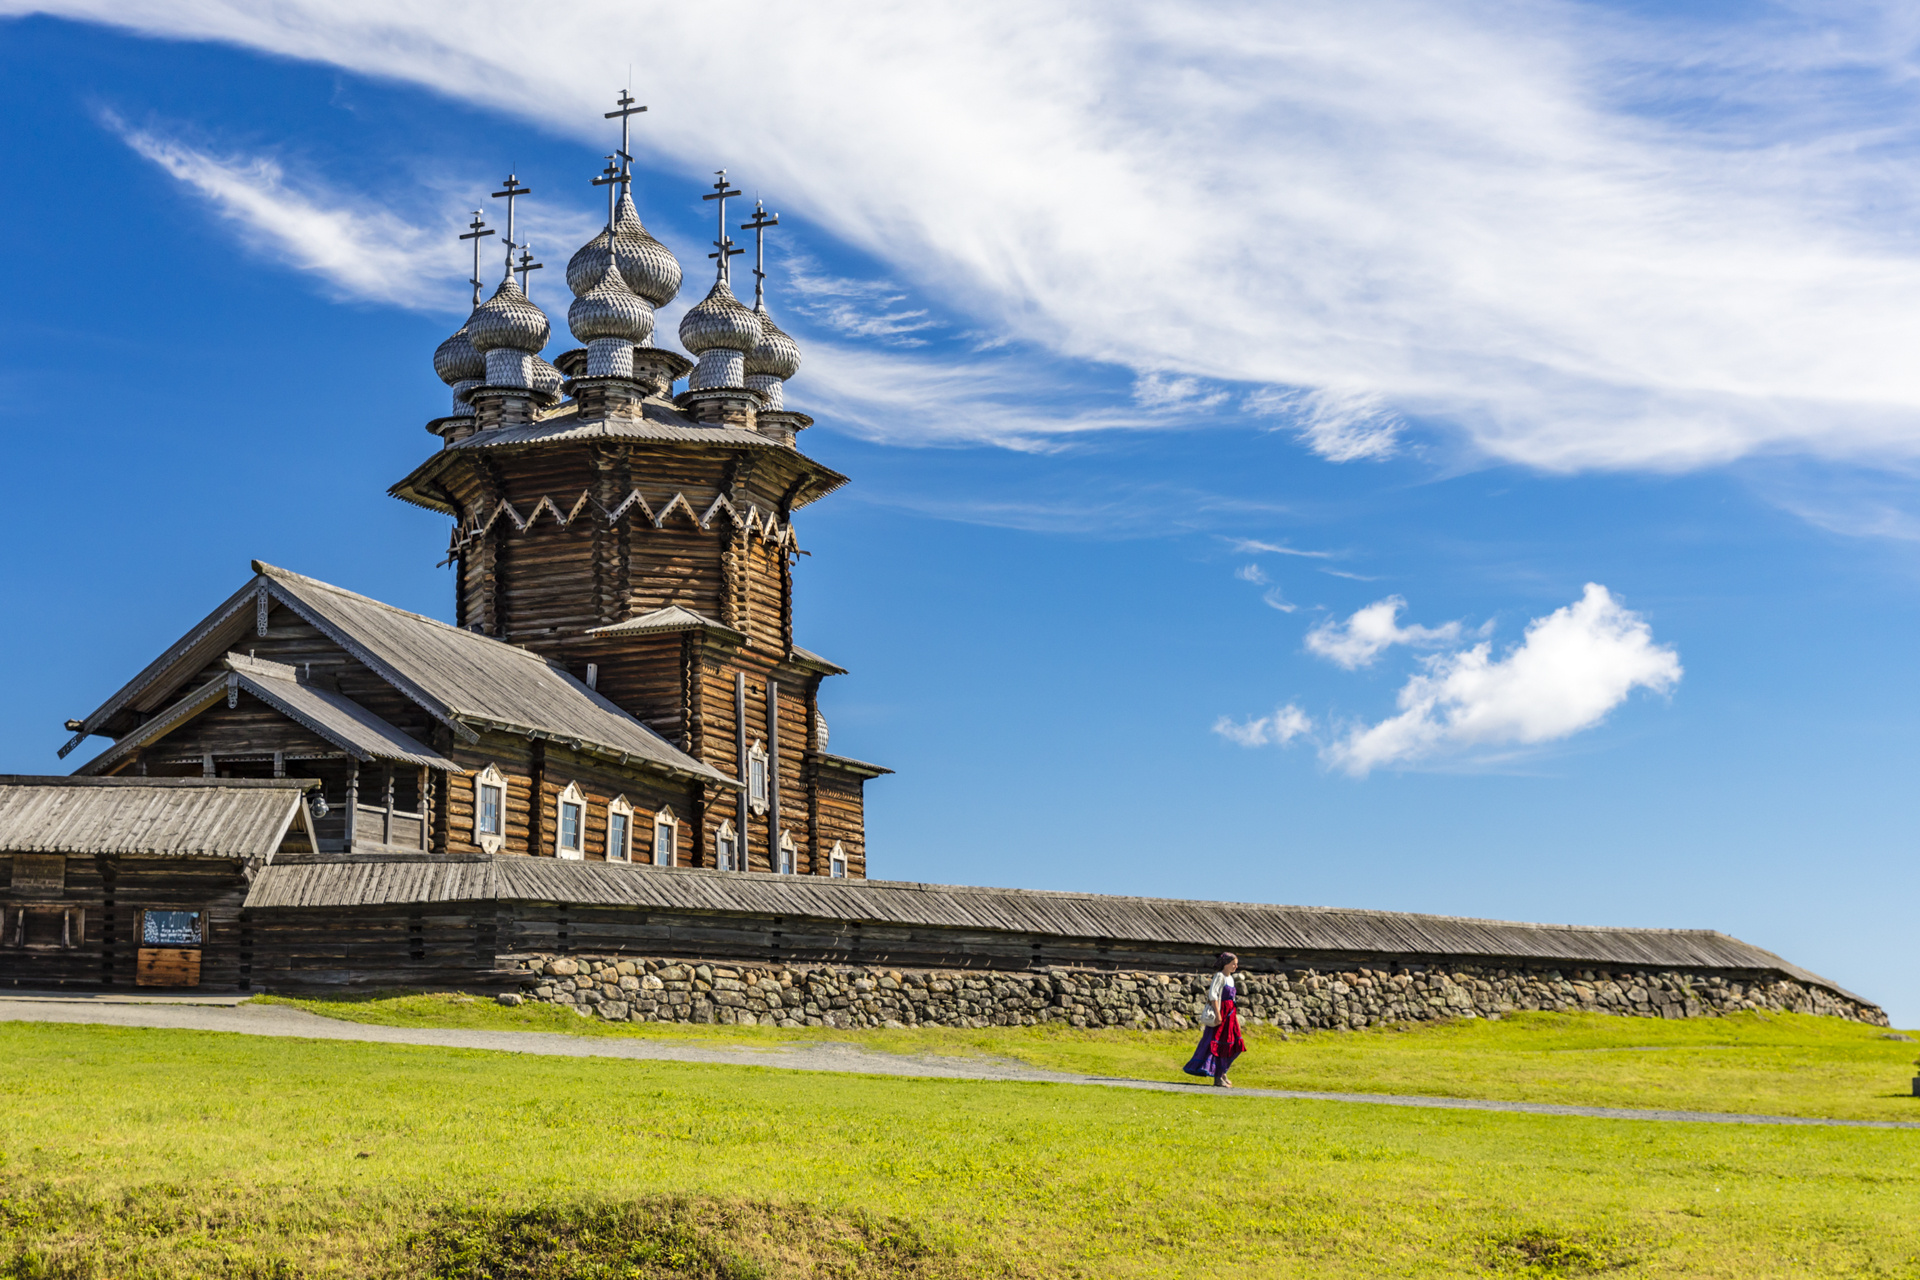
(1237, 926)
(150, 817)
(465, 680)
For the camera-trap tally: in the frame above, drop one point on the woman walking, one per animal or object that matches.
(1220, 1042)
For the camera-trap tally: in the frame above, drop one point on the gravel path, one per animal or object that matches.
(228, 1014)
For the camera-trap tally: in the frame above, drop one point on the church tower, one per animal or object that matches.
(642, 539)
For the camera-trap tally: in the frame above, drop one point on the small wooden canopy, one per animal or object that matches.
(238, 818)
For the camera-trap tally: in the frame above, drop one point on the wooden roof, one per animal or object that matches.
(150, 817)
(1235, 926)
(658, 423)
(337, 719)
(673, 618)
(466, 680)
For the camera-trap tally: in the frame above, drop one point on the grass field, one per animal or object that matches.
(1769, 1064)
(129, 1153)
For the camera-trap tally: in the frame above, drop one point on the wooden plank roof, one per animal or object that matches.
(466, 680)
(1234, 926)
(150, 817)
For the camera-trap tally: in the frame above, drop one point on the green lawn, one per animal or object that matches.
(130, 1153)
(1770, 1064)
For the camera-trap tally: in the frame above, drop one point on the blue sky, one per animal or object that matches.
(1240, 403)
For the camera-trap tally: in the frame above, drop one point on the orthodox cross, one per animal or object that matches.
(610, 178)
(527, 264)
(513, 190)
(626, 112)
(724, 244)
(759, 227)
(480, 231)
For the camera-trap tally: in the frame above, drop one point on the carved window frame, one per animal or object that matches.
(837, 862)
(670, 846)
(490, 841)
(757, 776)
(726, 847)
(624, 853)
(787, 855)
(571, 797)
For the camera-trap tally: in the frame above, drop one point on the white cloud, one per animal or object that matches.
(1273, 599)
(364, 252)
(1340, 426)
(1164, 391)
(1370, 632)
(1278, 729)
(1574, 666)
(1485, 217)
(1254, 547)
(1252, 573)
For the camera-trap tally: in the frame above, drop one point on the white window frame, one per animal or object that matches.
(757, 777)
(490, 841)
(577, 851)
(624, 851)
(726, 847)
(789, 852)
(837, 862)
(665, 819)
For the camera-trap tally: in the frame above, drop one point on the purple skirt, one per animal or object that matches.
(1219, 1045)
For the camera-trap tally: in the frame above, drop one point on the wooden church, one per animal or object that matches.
(621, 681)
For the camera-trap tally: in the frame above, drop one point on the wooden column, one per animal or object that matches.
(740, 844)
(537, 815)
(773, 776)
(353, 802)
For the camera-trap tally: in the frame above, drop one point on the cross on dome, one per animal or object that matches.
(479, 232)
(626, 111)
(759, 227)
(527, 264)
(513, 190)
(723, 243)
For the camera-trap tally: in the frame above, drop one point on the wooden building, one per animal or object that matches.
(138, 881)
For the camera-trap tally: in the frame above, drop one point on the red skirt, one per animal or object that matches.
(1219, 1045)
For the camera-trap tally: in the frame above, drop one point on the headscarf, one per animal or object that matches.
(1221, 961)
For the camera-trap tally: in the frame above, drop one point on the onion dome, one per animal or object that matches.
(545, 378)
(649, 267)
(775, 354)
(719, 321)
(456, 359)
(508, 321)
(610, 310)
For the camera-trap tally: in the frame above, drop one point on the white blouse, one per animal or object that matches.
(1222, 983)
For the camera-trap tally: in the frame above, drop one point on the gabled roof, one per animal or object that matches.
(152, 817)
(337, 719)
(465, 680)
(670, 619)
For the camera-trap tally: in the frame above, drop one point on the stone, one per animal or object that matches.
(508, 999)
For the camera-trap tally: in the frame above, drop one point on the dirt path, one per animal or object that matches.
(227, 1014)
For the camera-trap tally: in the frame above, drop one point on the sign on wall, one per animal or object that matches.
(38, 875)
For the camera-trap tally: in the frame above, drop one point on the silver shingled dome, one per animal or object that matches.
(720, 320)
(610, 310)
(545, 377)
(508, 320)
(775, 354)
(456, 360)
(648, 267)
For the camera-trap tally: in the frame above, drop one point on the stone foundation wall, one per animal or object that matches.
(627, 989)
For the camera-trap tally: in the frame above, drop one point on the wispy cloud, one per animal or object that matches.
(870, 309)
(1574, 666)
(1370, 632)
(1278, 730)
(1255, 547)
(364, 251)
(1488, 220)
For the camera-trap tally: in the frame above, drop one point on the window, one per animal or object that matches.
(619, 830)
(757, 778)
(43, 927)
(490, 809)
(725, 847)
(837, 863)
(570, 830)
(664, 830)
(169, 928)
(788, 854)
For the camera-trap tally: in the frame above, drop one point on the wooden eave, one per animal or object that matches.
(797, 478)
(848, 765)
(626, 759)
(807, 660)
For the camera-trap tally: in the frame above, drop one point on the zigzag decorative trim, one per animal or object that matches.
(765, 526)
